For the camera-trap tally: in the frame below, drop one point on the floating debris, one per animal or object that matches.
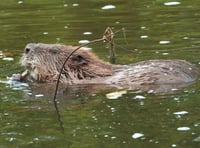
(143, 27)
(65, 5)
(107, 7)
(115, 95)
(83, 41)
(180, 113)
(137, 135)
(39, 95)
(183, 129)
(144, 36)
(186, 38)
(173, 145)
(165, 53)
(172, 3)
(164, 42)
(113, 137)
(20, 2)
(75, 5)
(174, 89)
(87, 33)
(139, 97)
(8, 59)
(65, 27)
(45, 33)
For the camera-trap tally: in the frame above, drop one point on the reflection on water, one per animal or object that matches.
(108, 117)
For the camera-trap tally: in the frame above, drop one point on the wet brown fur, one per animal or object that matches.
(44, 62)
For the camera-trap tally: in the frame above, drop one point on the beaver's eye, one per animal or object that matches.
(27, 50)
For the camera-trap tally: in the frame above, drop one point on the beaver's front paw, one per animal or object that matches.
(16, 77)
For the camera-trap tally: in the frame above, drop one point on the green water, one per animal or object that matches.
(153, 29)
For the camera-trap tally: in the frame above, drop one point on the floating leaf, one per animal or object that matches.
(115, 95)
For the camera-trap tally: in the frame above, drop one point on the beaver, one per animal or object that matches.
(44, 61)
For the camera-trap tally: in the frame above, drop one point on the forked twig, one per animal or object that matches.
(108, 37)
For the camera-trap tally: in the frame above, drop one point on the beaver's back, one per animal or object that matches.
(156, 72)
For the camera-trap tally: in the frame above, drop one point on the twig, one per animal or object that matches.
(108, 36)
(124, 35)
(59, 117)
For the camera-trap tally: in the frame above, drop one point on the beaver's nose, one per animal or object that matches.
(27, 50)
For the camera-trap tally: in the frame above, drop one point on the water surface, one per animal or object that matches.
(85, 118)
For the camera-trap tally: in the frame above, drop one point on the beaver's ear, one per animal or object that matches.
(79, 60)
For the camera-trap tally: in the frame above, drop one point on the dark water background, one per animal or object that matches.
(154, 30)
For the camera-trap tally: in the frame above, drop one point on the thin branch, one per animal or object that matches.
(108, 36)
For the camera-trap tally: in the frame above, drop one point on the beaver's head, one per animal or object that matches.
(44, 62)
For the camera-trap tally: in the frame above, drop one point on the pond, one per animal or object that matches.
(158, 29)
